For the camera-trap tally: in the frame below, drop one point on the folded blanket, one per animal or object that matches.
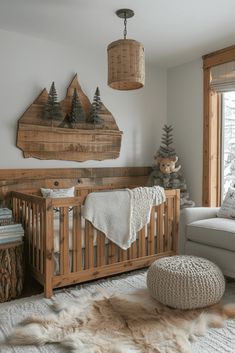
(120, 214)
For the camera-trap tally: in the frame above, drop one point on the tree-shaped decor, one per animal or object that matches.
(166, 171)
(66, 121)
(166, 150)
(95, 109)
(77, 112)
(52, 110)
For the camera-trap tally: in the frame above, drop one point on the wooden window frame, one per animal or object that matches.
(211, 193)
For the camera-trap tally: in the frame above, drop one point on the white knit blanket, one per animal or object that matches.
(120, 214)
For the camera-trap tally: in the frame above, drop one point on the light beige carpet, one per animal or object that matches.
(215, 340)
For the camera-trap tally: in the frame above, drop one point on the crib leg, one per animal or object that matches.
(48, 248)
(48, 290)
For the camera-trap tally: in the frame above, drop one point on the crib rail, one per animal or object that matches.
(63, 248)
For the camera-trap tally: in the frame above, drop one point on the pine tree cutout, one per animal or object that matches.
(52, 110)
(166, 150)
(66, 122)
(77, 113)
(95, 108)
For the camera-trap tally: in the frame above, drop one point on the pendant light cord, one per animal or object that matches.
(125, 22)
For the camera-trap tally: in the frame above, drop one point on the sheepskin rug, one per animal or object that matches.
(133, 323)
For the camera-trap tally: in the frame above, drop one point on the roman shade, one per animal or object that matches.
(223, 77)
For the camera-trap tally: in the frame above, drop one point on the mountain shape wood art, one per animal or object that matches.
(48, 138)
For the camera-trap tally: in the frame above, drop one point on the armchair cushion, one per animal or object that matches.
(227, 209)
(217, 232)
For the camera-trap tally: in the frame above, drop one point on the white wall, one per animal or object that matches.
(27, 65)
(185, 113)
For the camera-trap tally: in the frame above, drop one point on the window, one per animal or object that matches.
(219, 81)
(228, 141)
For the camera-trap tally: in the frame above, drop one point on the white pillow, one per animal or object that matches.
(56, 193)
(227, 209)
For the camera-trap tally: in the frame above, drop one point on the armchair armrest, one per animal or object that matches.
(197, 213)
(189, 215)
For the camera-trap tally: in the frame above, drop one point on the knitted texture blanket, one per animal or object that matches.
(120, 214)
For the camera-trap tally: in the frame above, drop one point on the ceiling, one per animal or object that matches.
(173, 32)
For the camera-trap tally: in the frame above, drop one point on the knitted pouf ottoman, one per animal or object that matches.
(185, 282)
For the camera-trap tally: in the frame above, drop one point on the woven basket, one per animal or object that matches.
(126, 64)
(11, 271)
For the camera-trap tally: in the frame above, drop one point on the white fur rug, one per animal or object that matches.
(114, 316)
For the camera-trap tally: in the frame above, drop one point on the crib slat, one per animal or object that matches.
(64, 240)
(28, 207)
(152, 228)
(33, 228)
(15, 209)
(123, 255)
(142, 242)
(100, 249)
(151, 233)
(176, 216)
(86, 241)
(91, 245)
(37, 244)
(160, 215)
(42, 240)
(170, 223)
(49, 248)
(89, 250)
(132, 251)
(26, 215)
(20, 212)
(111, 252)
(77, 240)
(167, 225)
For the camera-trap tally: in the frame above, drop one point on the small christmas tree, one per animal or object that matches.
(77, 113)
(52, 110)
(95, 108)
(166, 172)
(165, 149)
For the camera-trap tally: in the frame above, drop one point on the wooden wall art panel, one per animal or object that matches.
(54, 139)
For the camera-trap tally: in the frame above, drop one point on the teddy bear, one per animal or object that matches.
(165, 173)
(167, 164)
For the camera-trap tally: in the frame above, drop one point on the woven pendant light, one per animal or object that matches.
(126, 62)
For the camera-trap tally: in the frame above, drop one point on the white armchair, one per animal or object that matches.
(203, 234)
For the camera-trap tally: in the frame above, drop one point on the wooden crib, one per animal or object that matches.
(82, 253)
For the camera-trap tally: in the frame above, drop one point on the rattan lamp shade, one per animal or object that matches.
(126, 64)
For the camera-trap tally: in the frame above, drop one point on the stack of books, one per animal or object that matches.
(9, 231)
(5, 216)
